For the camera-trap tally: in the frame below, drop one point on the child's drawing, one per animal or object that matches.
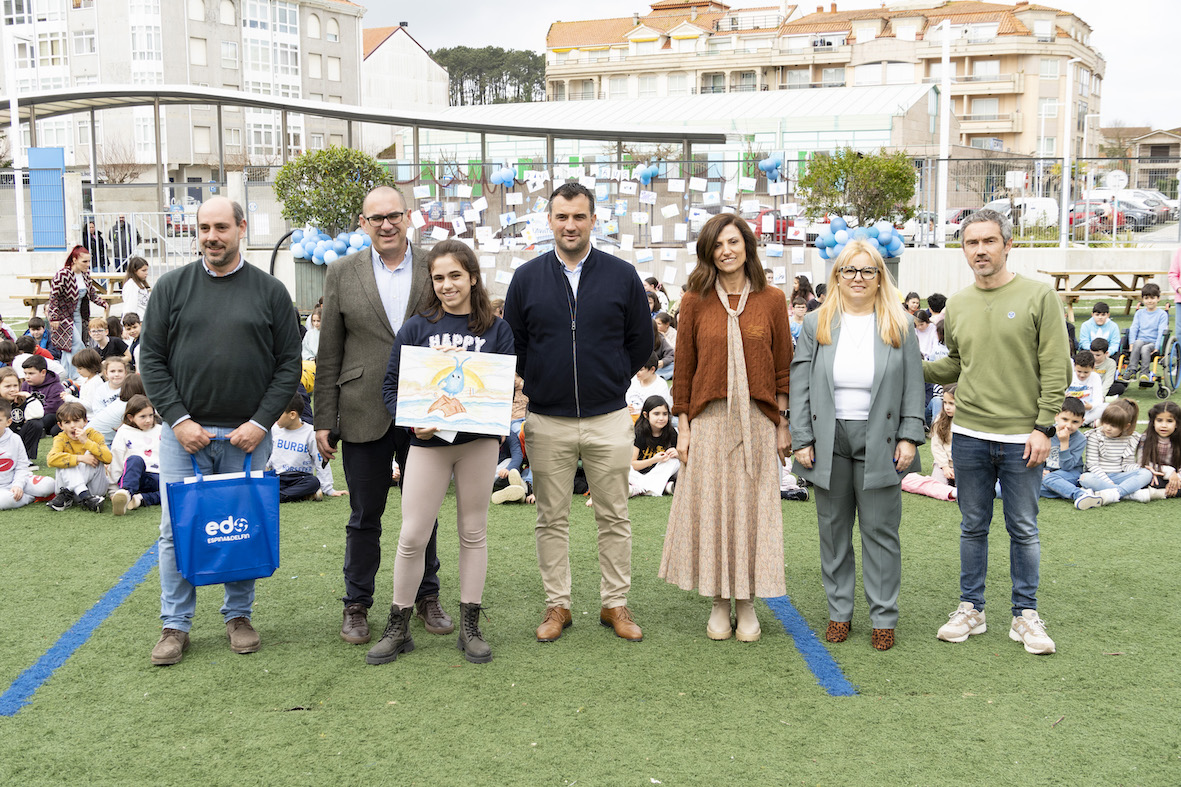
(455, 391)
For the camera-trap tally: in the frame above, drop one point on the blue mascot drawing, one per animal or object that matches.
(455, 390)
(452, 382)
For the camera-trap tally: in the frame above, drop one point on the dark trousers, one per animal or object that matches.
(30, 432)
(294, 485)
(367, 471)
(49, 424)
(138, 481)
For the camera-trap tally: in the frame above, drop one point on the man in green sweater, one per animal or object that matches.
(220, 359)
(1008, 351)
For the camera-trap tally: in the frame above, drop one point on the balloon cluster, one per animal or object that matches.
(322, 249)
(882, 236)
(645, 174)
(771, 165)
(505, 176)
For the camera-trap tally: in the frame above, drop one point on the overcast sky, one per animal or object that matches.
(1138, 38)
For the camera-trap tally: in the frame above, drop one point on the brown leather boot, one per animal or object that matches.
(620, 619)
(395, 640)
(556, 619)
(355, 629)
(471, 639)
(243, 637)
(170, 648)
(434, 619)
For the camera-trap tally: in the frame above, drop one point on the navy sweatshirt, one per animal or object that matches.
(450, 331)
(577, 355)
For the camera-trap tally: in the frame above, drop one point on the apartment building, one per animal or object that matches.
(299, 49)
(1014, 68)
(397, 73)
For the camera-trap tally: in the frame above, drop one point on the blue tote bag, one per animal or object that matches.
(225, 527)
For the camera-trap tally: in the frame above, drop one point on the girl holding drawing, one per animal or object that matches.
(456, 314)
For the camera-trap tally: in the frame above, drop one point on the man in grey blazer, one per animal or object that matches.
(367, 297)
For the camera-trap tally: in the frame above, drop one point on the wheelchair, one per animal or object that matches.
(1164, 368)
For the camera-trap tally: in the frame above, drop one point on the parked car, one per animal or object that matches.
(1030, 211)
(182, 219)
(920, 229)
(782, 225)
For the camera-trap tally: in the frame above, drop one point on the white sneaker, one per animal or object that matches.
(119, 501)
(1030, 631)
(1087, 500)
(1141, 496)
(964, 622)
(1157, 494)
(1109, 496)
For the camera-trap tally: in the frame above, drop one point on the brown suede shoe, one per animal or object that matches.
(556, 619)
(837, 632)
(620, 619)
(434, 619)
(243, 637)
(355, 629)
(882, 639)
(173, 643)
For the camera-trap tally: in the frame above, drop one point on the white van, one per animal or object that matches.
(1030, 210)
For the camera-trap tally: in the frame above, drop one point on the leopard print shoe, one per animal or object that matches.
(882, 639)
(837, 632)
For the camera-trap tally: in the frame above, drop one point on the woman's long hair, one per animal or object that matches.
(942, 426)
(135, 404)
(643, 425)
(1151, 454)
(482, 316)
(887, 305)
(133, 266)
(702, 278)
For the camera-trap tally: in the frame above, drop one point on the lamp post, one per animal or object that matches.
(944, 136)
(1089, 184)
(1041, 145)
(14, 136)
(1067, 134)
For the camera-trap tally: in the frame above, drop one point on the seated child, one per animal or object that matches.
(302, 472)
(311, 339)
(42, 383)
(1106, 368)
(18, 485)
(108, 420)
(1148, 326)
(1111, 468)
(643, 385)
(1064, 465)
(27, 345)
(131, 328)
(789, 486)
(1087, 387)
(6, 332)
(26, 411)
(941, 483)
(81, 457)
(37, 331)
(1099, 326)
(654, 454)
(108, 346)
(135, 453)
(1160, 450)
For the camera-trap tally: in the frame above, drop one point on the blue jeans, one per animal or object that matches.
(514, 444)
(1126, 483)
(178, 598)
(1061, 484)
(979, 466)
(666, 372)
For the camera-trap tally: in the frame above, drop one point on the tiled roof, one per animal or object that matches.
(960, 12)
(590, 31)
(373, 37)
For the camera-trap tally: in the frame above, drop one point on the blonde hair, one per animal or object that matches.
(887, 302)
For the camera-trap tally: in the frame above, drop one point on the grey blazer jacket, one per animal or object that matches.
(895, 411)
(355, 342)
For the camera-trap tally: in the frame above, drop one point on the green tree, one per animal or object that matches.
(869, 186)
(492, 75)
(325, 188)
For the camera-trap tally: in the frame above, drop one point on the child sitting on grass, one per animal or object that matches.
(654, 454)
(941, 483)
(1111, 465)
(89, 365)
(1064, 465)
(80, 456)
(1087, 387)
(303, 474)
(1106, 368)
(644, 385)
(18, 485)
(135, 455)
(1160, 450)
(26, 412)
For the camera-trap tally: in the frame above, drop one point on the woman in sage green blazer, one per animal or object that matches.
(856, 417)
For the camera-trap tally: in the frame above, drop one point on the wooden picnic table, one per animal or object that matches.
(1074, 284)
(110, 288)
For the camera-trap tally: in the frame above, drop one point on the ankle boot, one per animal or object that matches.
(471, 639)
(395, 639)
(720, 626)
(748, 624)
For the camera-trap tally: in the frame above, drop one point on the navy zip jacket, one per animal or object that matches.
(577, 355)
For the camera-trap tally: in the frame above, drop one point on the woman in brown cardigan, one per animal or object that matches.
(70, 293)
(730, 389)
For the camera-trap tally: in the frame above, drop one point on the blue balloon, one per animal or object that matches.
(885, 235)
(365, 241)
(873, 242)
(871, 232)
(297, 252)
(838, 224)
(884, 226)
(318, 257)
(330, 256)
(340, 247)
(356, 240)
(841, 235)
(297, 237)
(861, 233)
(825, 237)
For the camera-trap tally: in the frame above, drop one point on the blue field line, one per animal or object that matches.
(816, 656)
(19, 693)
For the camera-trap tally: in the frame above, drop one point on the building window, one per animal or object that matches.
(796, 78)
(559, 91)
(334, 69)
(645, 47)
(145, 43)
(868, 74)
(54, 134)
(261, 138)
(985, 108)
(899, 73)
(1047, 107)
(54, 83)
(51, 49)
(197, 10)
(83, 80)
(865, 33)
(833, 77)
(145, 139)
(229, 54)
(142, 7)
(746, 82)
(985, 69)
(686, 44)
(333, 31)
(85, 43)
(617, 87)
(258, 56)
(1044, 30)
(335, 140)
(647, 84)
(1049, 68)
(982, 33)
(1084, 81)
(315, 141)
(287, 59)
(315, 66)
(26, 55)
(198, 52)
(84, 132)
(316, 96)
(906, 32)
(226, 14)
(713, 83)
(256, 15)
(18, 12)
(936, 71)
(313, 28)
(718, 45)
(202, 139)
(286, 18)
(678, 84)
(233, 142)
(139, 77)
(1049, 146)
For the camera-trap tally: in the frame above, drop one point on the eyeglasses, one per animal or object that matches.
(392, 218)
(867, 274)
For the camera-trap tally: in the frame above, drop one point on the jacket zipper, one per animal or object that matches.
(573, 303)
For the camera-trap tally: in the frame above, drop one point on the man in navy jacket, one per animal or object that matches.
(582, 329)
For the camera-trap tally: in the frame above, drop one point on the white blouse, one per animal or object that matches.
(852, 367)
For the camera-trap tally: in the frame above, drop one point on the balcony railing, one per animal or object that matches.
(810, 85)
(762, 22)
(985, 116)
(744, 88)
(712, 89)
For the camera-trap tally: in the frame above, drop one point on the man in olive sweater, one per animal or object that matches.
(220, 359)
(1007, 348)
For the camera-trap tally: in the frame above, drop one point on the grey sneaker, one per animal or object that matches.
(1030, 631)
(1087, 500)
(963, 623)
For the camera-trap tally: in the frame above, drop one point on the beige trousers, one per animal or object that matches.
(604, 443)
